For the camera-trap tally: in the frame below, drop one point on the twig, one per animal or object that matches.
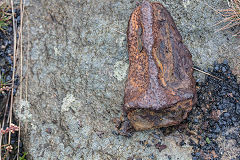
(5, 145)
(19, 135)
(21, 69)
(27, 63)
(206, 73)
(14, 65)
(21, 48)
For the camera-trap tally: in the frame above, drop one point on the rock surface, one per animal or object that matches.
(77, 68)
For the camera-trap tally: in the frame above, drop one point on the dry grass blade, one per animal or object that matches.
(231, 16)
(21, 67)
(206, 73)
(14, 66)
(27, 63)
(21, 48)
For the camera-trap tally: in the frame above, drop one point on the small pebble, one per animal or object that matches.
(226, 115)
(182, 143)
(225, 61)
(238, 108)
(216, 68)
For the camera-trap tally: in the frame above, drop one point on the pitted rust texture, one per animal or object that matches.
(160, 89)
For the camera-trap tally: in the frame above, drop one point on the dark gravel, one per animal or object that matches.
(214, 122)
(6, 71)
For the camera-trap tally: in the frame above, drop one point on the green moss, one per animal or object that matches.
(208, 140)
(4, 16)
(23, 157)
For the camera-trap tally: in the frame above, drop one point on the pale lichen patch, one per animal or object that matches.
(120, 70)
(23, 111)
(67, 101)
(186, 3)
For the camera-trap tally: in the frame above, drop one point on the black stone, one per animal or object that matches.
(225, 61)
(182, 143)
(238, 108)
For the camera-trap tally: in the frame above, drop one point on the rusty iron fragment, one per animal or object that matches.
(160, 89)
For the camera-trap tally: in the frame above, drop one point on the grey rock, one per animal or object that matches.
(76, 71)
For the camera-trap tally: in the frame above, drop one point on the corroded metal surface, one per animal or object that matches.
(160, 89)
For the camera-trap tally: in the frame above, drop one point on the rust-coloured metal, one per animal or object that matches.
(160, 89)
